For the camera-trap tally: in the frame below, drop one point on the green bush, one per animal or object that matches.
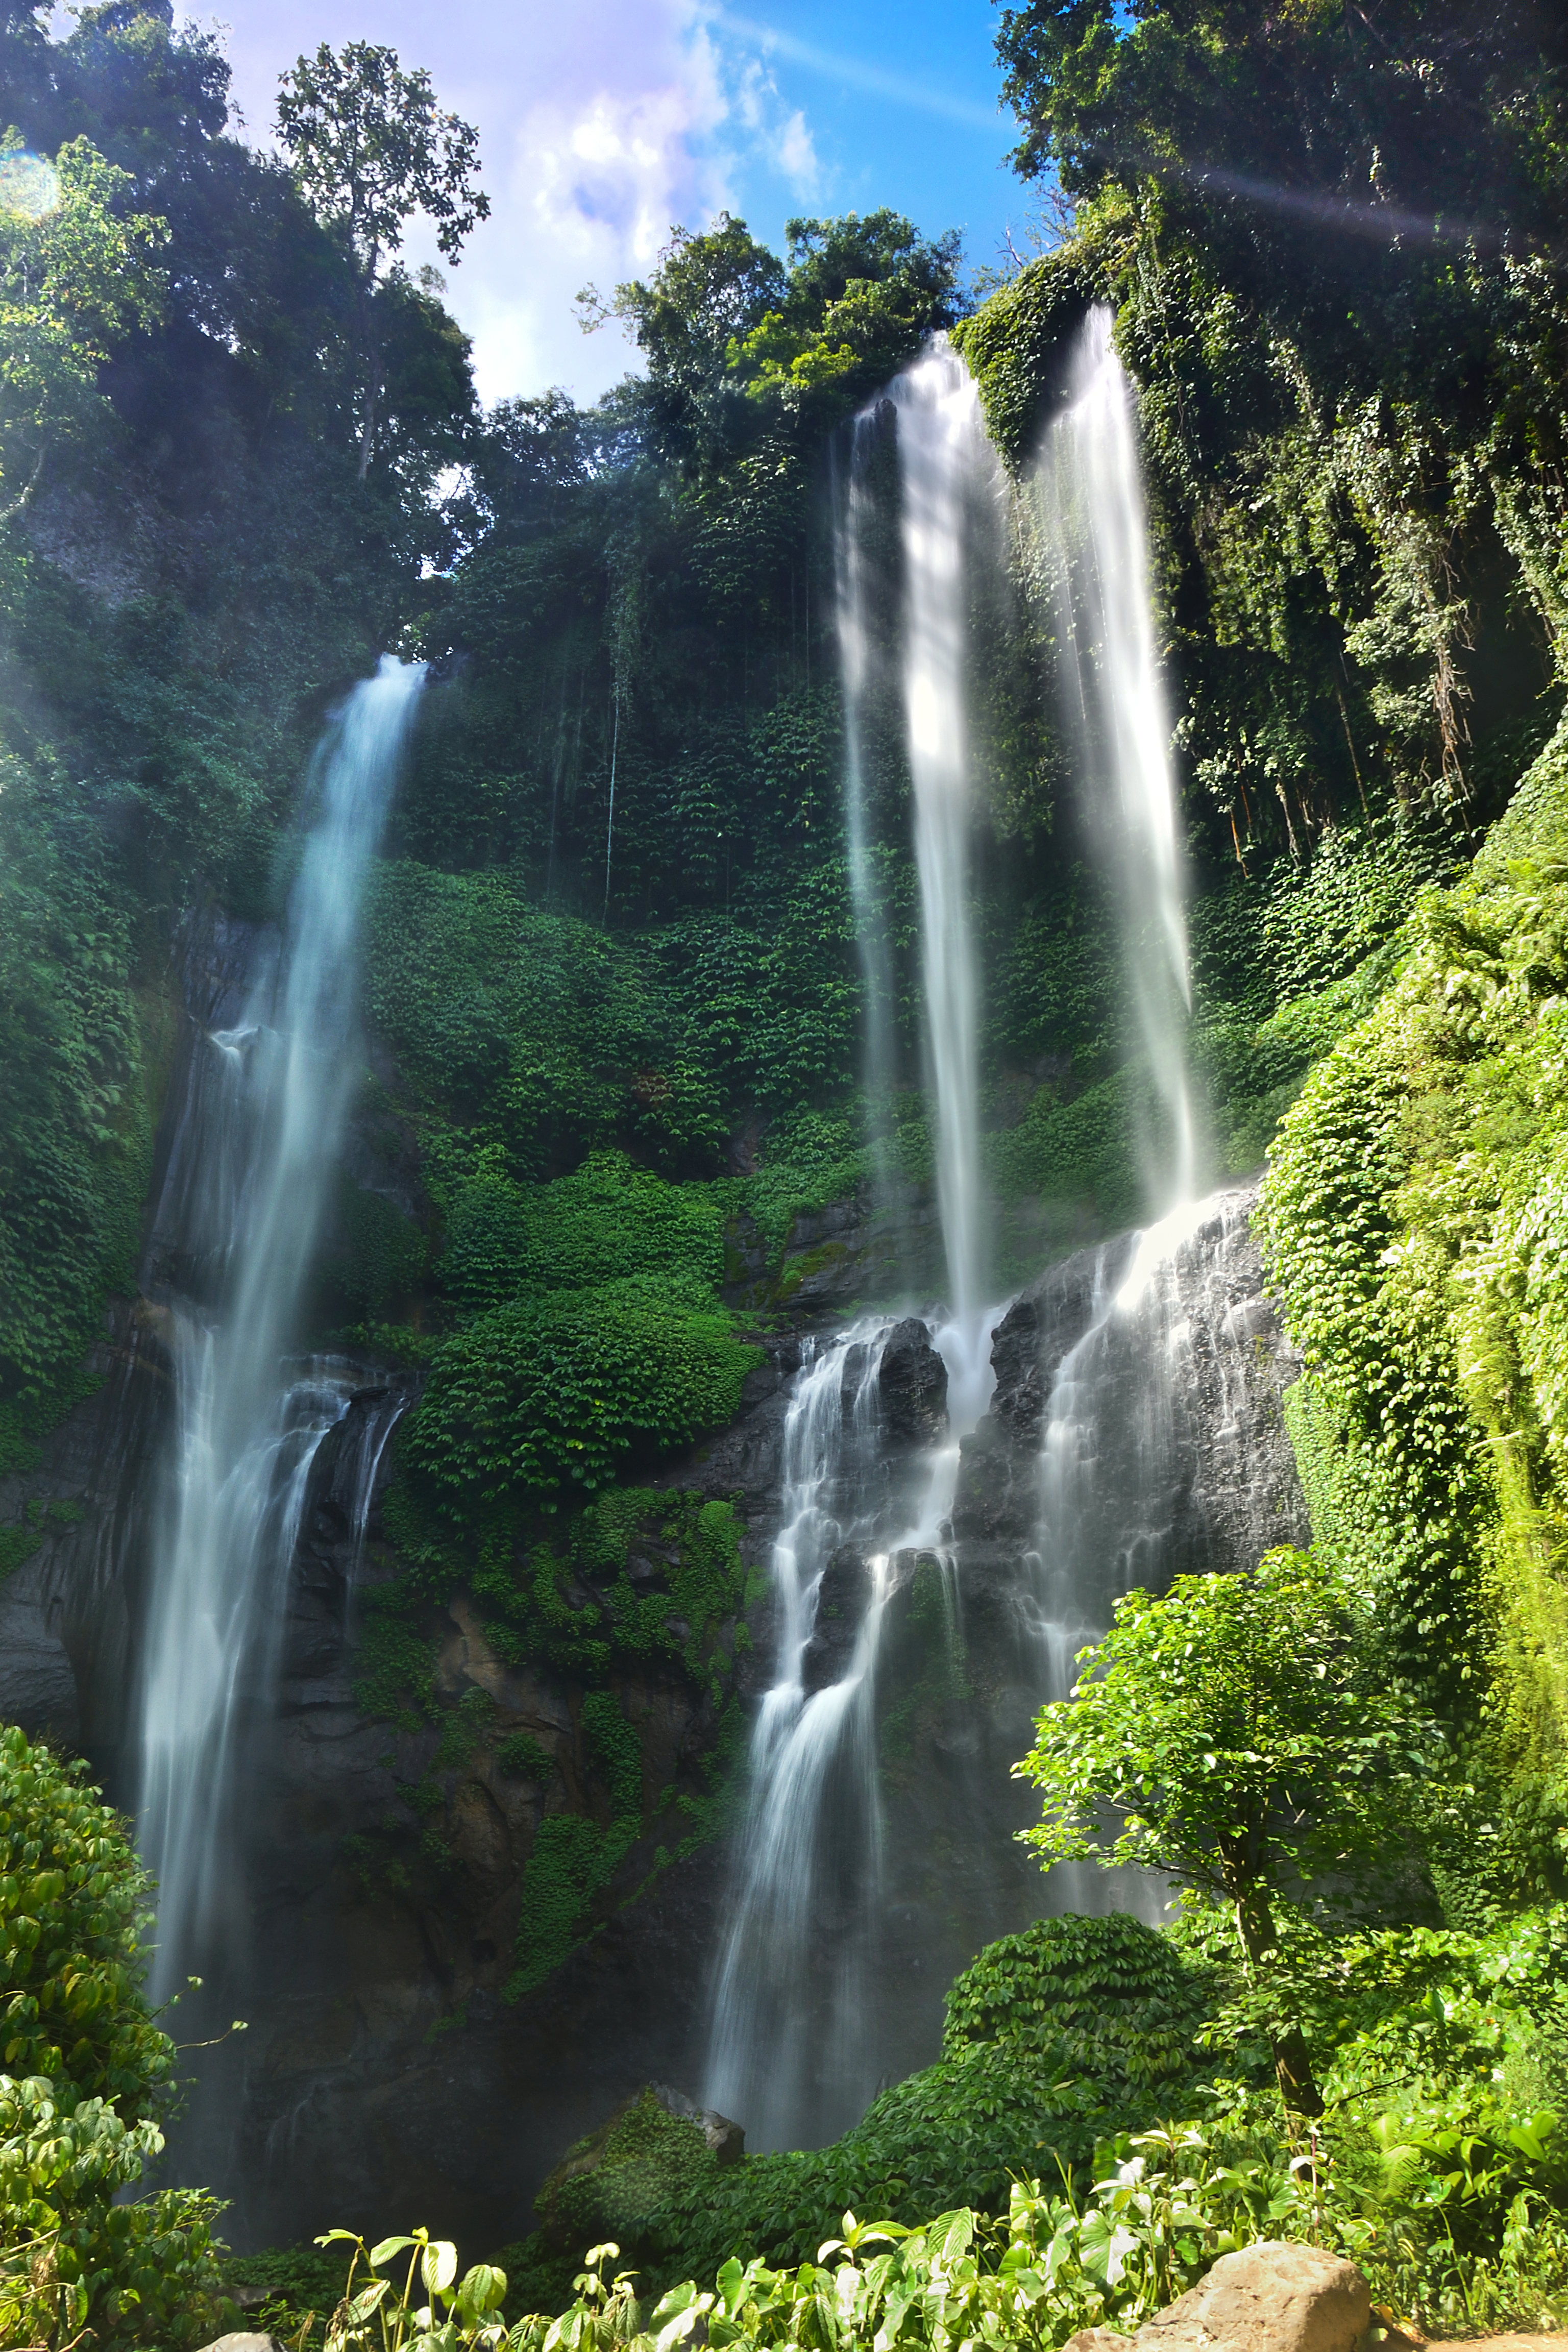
(642, 2158)
(607, 1223)
(535, 1398)
(573, 1858)
(88, 2080)
(1413, 1224)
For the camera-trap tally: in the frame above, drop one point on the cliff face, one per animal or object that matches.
(387, 1866)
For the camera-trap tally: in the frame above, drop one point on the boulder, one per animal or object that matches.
(912, 1387)
(843, 1598)
(726, 2140)
(613, 2184)
(1268, 2297)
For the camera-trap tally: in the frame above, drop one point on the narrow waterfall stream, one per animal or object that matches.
(266, 1097)
(942, 452)
(794, 2048)
(1088, 495)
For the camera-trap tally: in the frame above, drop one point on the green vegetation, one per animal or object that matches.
(1106, 2159)
(618, 2180)
(542, 1394)
(1233, 1733)
(88, 2081)
(616, 1071)
(1411, 1225)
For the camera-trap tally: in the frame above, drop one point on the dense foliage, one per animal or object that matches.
(615, 1001)
(88, 2080)
(1411, 1222)
(1106, 2185)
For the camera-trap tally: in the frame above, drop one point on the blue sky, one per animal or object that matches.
(604, 121)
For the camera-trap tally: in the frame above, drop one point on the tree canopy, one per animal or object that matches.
(1229, 1734)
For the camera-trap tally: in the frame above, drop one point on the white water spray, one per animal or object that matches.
(1089, 502)
(854, 522)
(797, 2062)
(247, 1184)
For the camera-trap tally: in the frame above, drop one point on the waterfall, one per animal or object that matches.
(942, 455)
(795, 2050)
(871, 1462)
(1088, 497)
(859, 669)
(266, 1103)
(1084, 1474)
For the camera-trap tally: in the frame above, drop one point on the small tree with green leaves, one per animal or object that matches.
(370, 148)
(77, 277)
(1228, 1735)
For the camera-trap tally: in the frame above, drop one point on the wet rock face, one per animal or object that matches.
(912, 1388)
(384, 2073)
(843, 1598)
(1156, 1415)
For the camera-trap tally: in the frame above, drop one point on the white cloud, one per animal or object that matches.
(602, 124)
(797, 154)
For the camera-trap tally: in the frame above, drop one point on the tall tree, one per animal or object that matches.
(370, 149)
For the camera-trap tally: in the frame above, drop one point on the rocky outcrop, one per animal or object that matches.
(385, 2073)
(912, 1389)
(1270, 2296)
(1151, 1399)
(648, 2148)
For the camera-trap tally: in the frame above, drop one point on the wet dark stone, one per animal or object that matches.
(912, 1387)
(842, 1600)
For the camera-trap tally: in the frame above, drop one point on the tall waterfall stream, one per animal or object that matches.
(266, 1099)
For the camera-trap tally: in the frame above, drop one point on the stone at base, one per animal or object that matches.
(1268, 2297)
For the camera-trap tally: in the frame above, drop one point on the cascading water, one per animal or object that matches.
(247, 1185)
(1088, 500)
(870, 1462)
(859, 666)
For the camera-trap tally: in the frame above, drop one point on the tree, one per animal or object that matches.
(1446, 107)
(1229, 1730)
(371, 149)
(75, 279)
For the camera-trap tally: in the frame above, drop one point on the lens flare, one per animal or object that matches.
(29, 184)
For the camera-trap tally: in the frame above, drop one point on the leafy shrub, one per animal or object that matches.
(617, 2180)
(83, 2111)
(1110, 1993)
(525, 1026)
(386, 1254)
(573, 1858)
(607, 1223)
(1085, 1149)
(376, 2311)
(1411, 1223)
(544, 1394)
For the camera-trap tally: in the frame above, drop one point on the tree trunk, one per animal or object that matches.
(367, 430)
(372, 371)
(1292, 2061)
